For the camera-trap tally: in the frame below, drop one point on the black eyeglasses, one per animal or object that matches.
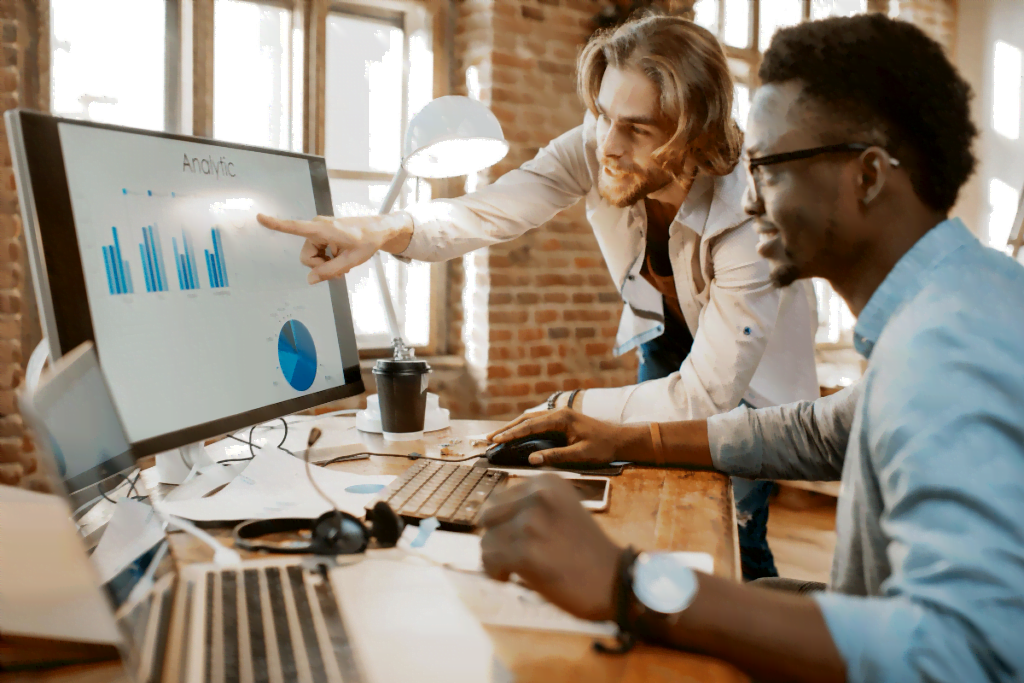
(767, 160)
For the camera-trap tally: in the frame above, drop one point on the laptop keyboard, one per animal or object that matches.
(145, 625)
(273, 624)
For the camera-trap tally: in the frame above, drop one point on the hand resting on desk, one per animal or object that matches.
(540, 531)
(590, 439)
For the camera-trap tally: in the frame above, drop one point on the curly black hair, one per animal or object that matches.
(888, 75)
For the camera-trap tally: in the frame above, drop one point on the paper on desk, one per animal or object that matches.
(411, 625)
(205, 480)
(274, 485)
(459, 551)
(133, 529)
(508, 604)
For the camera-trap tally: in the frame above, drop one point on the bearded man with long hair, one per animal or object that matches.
(656, 161)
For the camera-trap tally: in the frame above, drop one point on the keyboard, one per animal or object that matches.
(266, 621)
(454, 494)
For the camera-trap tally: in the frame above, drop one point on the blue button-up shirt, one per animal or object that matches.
(928, 577)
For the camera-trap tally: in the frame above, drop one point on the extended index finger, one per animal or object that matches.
(309, 229)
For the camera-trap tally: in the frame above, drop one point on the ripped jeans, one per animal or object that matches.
(661, 357)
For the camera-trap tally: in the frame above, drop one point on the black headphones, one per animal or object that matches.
(333, 533)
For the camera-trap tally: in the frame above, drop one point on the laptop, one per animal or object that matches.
(279, 619)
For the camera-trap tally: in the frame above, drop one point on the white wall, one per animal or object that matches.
(980, 24)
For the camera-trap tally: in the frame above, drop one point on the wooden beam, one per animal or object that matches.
(202, 67)
(314, 36)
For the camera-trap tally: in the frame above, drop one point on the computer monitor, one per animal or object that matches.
(146, 244)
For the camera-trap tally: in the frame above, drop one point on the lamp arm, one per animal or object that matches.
(397, 343)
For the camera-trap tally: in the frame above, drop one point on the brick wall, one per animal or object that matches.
(21, 84)
(543, 307)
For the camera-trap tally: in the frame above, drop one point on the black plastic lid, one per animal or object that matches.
(391, 366)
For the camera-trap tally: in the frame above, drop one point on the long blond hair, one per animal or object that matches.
(691, 71)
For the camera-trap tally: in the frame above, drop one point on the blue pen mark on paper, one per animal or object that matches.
(364, 488)
(427, 527)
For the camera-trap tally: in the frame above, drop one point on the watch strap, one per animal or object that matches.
(625, 638)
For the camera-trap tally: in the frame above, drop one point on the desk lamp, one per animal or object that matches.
(451, 136)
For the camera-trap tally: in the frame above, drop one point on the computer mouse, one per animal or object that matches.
(516, 453)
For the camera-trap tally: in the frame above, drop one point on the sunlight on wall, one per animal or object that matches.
(475, 297)
(1006, 94)
(1002, 201)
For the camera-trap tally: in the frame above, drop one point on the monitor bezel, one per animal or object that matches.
(51, 237)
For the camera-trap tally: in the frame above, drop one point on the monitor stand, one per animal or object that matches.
(174, 467)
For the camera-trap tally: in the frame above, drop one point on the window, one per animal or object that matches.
(822, 9)
(733, 22)
(257, 94)
(378, 74)
(92, 79)
(1002, 201)
(1007, 91)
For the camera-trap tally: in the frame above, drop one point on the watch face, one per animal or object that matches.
(663, 583)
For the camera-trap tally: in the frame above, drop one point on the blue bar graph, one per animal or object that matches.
(211, 270)
(185, 262)
(218, 250)
(216, 269)
(119, 274)
(152, 260)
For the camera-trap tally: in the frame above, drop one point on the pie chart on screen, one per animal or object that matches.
(297, 355)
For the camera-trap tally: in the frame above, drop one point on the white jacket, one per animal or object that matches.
(750, 339)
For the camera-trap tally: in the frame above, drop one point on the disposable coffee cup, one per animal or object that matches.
(402, 393)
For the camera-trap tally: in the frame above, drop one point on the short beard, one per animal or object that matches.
(784, 275)
(638, 187)
(784, 271)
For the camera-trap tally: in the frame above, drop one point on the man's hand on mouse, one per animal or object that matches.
(590, 440)
(540, 531)
(352, 240)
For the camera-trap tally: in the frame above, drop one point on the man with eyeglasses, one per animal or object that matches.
(859, 141)
(656, 162)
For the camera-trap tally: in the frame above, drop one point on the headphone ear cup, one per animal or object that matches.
(387, 526)
(339, 533)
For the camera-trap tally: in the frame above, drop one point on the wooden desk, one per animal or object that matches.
(650, 508)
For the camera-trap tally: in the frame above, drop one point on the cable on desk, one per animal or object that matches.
(417, 456)
(252, 446)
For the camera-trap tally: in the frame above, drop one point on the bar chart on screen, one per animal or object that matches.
(197, 249)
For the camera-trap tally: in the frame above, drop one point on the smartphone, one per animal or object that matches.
(593, 492)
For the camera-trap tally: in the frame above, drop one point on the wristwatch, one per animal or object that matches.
(660, 583)
(663, 584)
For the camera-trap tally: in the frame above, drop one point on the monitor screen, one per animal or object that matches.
(202, 319)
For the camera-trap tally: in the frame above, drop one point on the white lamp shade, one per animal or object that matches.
(453, 136)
